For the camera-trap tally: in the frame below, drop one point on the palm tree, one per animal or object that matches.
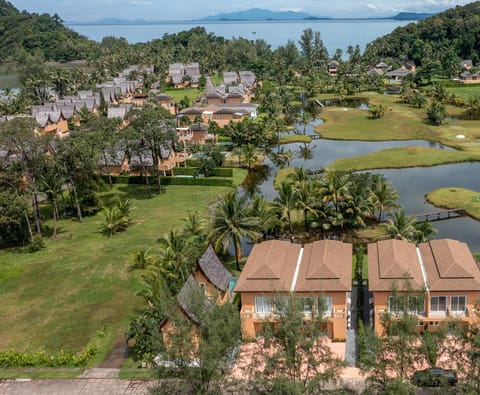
(334, 187)
(285, 201)
(232, 221)
(176, 258)
(424, 232)
(401, 226)
(51, 183)
(264, 211)
(383, 196)
(304, 192)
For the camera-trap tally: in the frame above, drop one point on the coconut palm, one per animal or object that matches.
(285, 202)
(305, 194)
(424, 232)
(176, 258)
(383, 196)
(334, 187)
(232, 221)
(265, 212)
(401, 226)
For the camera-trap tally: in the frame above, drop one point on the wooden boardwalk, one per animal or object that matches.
(440, 215)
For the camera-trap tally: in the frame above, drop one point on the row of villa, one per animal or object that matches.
(436, 281)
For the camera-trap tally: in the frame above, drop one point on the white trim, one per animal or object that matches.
(422, 268)
(297, 269)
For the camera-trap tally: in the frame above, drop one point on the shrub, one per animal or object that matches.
(16, 359)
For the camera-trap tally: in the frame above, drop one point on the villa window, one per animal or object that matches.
(458, 303)
(281, 305)
(305, 304)
(325, 304)
(263, 305)
(406, 304)
(438, 304)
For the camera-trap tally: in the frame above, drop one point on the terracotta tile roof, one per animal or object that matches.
(269, 268)
(449, 266)
(213, 269)
(326, 266)
(392, 261)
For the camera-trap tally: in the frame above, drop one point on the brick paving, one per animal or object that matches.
(79, 386)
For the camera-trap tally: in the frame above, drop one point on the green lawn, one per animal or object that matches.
(78, 290)
(452, 197)
(465, 91)
(295, 138)
(401, 122)
(178, 94)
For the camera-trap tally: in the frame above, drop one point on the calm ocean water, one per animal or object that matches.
(335, 33)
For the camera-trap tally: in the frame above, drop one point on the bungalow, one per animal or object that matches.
(435, 281)
(113, 161)
(230, 78)
(200, 134)
(468, 77)
(332, 68)
(166, 102)
(213, 277)
(247, 78)
(184, 75)
(189, 302)
(51, 122)
(318, 275)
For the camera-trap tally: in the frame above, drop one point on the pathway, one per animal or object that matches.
(351, 341)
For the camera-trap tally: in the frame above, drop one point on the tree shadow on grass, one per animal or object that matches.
(137, 192)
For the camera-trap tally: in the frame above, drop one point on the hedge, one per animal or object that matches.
(210, 181)
(16, 359)
(191, 171)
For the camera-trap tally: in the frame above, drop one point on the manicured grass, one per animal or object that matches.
(401, 122)
(40, 373)
(465, 91)
(364, 267)
(178, 94)
(411, 156)
(79, 289)
(295, 138)
(452, 197)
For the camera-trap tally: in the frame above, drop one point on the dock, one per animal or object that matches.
(440, 215)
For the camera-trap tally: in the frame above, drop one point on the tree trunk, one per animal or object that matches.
(29, 226)
(54, 206)
(290, 222)
(36, 212)
(107, 169)
(77, 203)
(237, 253)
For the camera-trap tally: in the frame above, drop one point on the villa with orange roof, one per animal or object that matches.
(318, 275)
(435, 281)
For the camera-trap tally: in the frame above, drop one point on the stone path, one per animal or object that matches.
(79, 386)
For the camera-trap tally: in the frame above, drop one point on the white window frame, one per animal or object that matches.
(437, 310)
(456, 310)
(307, 304)
(263, 305)
(405, 300)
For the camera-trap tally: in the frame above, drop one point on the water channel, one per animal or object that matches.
(411, 183)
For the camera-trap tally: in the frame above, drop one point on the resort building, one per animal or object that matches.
(166, 102)
(332, 68)
(184, 75)
(436, 281)
(318, 275)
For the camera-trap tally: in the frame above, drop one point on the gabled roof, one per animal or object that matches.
(326, 266)
(401, 72)
(141, 158)
(163, 97)
(114, 158)
(199, 127)
(213, 269)
(188, 296)
(449, 266)
(116, 112)
(390, 263)
(269, 268)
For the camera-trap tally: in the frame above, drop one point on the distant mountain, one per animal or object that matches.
(258, 14)
(411, 16)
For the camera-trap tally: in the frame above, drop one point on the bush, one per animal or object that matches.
(37, 244)
(16, 359)
(216, 182)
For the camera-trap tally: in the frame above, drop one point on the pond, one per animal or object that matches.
(411, 183)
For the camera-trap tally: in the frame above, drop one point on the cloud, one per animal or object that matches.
(299, 9)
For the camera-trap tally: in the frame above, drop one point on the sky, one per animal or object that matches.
(92, 10)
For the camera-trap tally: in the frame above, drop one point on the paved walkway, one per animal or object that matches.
(79, 386)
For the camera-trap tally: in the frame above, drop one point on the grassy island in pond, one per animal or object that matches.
(452, 197)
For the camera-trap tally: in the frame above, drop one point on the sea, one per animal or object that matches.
(337, 33)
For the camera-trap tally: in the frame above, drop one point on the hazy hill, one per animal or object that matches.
(259, 14)
(24, 32)
(411, 16)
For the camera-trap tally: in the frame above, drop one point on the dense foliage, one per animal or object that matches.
(24, 33)
(443, 39)
(16, 359)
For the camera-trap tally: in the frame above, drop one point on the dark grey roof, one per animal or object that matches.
(163, 96)
(188, 299)
(165, 150)
(212, 267)
(198, 126)
(114, 158)
(398, 73)
(144, 156)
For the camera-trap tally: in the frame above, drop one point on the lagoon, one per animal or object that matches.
(338, 33)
